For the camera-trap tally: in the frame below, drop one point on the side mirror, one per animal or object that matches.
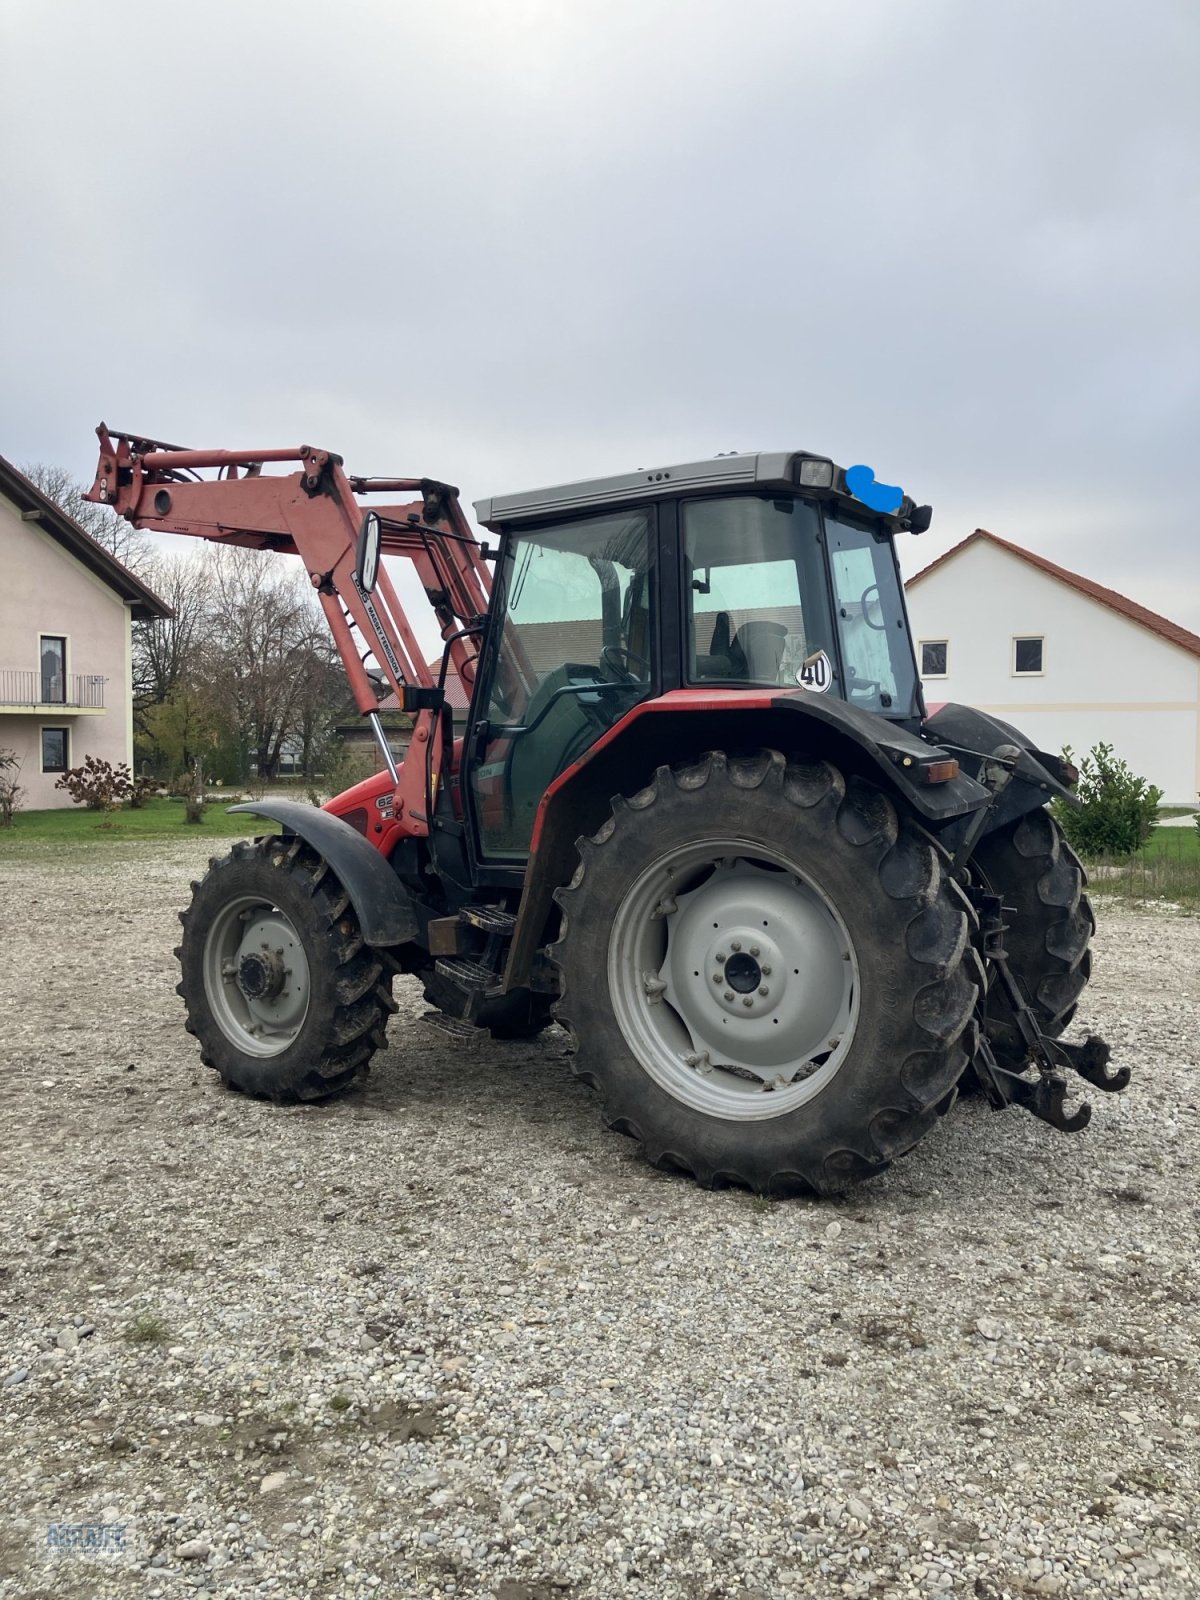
(366, 565)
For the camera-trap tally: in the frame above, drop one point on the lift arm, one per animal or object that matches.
(313, 512)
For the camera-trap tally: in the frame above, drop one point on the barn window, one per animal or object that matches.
(1027, 657)
(54, 749)
(934, 653)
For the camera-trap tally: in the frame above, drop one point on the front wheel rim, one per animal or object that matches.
(256, 976)
(733, 979)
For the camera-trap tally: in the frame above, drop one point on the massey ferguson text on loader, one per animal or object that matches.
(699, 813)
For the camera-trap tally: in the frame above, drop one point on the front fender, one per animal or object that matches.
(381, 902)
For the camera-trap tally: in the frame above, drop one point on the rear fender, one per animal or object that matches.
(971, 735)
(684, 724)
(381, 902)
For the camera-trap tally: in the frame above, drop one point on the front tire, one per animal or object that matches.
(284, 996)
(846, 1022)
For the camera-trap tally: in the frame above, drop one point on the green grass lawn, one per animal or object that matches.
(157, 819)
(1167, 867)
(1173, 844)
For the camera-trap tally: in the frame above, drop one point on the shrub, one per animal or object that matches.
(1119, 809)
(140, 790)
(10, 789)
(148, 1328)
(97, 784)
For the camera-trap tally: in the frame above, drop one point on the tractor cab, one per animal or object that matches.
(741, 572)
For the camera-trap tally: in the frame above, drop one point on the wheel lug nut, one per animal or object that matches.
(747, 1002)
(716, 977)
(720, 956)
(729, 994)
(764, 991)
(754, 950)
(735, 944)
(766, 972)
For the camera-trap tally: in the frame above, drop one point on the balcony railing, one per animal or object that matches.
(80, 691)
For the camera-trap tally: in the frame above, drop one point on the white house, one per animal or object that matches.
(66, 610)
(1065, 660)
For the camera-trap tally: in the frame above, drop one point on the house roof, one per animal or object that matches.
(38, 508)
(1129, 609)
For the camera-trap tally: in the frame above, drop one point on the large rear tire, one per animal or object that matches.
(282, 993)
(768, 974)
(1032, 867)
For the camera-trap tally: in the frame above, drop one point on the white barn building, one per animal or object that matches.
(1065, 660)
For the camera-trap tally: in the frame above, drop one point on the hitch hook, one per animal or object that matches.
(1043, 1097)
(1046, 1102)
(1090, 1060)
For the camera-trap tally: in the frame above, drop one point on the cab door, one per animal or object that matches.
(573, 649)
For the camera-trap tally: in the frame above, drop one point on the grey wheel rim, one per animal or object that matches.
(256, 976)
(733, 979)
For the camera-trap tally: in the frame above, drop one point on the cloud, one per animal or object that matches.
(516, 244)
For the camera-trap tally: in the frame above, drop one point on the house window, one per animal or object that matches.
(55, 750)
(934, 654)
(1027, 658)
(53, 653)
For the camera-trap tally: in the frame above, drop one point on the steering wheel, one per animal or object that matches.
(620, 667)
(865, 601)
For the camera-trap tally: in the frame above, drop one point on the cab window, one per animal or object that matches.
(757, 605)
(876, 651)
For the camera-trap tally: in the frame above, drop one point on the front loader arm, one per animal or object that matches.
(313, 512)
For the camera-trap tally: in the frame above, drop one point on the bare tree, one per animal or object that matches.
(264, 633)
(128, 544)
(167, 652)
(322, 697)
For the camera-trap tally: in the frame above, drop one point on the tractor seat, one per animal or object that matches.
(718, 663)
(757, 650)
(753, 653)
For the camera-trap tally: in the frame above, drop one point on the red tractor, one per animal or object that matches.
(698, 814)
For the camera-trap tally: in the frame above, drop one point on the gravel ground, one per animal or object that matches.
(448, 1337)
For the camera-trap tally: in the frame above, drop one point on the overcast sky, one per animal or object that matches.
(511, 242)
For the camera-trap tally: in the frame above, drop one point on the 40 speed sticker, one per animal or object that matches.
(815, 672)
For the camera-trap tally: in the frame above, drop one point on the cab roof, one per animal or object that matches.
(759, 469)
